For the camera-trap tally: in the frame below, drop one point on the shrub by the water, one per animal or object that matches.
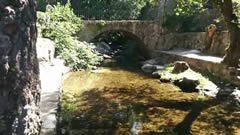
(60, 24)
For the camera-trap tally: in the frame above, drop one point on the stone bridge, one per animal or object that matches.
(152, 36)
(148, 33)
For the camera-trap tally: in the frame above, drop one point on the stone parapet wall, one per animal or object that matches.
(194, 40)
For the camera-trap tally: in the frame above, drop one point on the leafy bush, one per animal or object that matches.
(59, 23)
(82, 56)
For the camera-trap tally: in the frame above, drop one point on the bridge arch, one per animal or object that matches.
(126, 35)
(148, 33)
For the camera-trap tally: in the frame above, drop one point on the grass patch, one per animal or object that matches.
(168, 73)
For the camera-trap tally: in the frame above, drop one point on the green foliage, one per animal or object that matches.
(180, 23)
(43, 3)
(100, 25)
(108, 9)
(59, 23)
(67, 110)
(188, 7)
(82, 56)
(185, 12)
(237, 10)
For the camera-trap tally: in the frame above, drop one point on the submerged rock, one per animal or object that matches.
(121, 116)
(101, 51)
(148, 68)
(151, 68)
(103, 48)
(105, 56)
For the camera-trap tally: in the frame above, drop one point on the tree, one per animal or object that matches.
(19, 70)
(108, 9)
(43, 3)
(226, 8)
(232, 55)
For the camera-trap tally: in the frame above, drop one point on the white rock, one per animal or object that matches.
(45, 50)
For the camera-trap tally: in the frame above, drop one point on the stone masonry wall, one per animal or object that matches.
(194, 40)
(152, 36)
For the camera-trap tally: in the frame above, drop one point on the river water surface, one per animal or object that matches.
(121, 100)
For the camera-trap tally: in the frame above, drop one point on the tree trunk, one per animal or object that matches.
(232, 55)
(19, 70)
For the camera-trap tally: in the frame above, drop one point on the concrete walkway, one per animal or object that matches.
(51, 78)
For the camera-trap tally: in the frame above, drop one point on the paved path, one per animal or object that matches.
(51, 78)
(195, 54)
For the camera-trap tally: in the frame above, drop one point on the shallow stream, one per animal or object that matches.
(118, 99)
(121, 100)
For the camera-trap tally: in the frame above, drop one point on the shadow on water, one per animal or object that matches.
(184, 127)
(109, 110)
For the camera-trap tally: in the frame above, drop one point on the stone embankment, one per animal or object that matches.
(228, 78)
(201, 62)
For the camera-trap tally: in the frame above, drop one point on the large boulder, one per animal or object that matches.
(103, 48)
(45, 50)
(180, 66)
(187, 80)
(188, 83)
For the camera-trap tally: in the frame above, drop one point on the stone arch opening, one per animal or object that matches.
(125, 46)
(118, 37)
